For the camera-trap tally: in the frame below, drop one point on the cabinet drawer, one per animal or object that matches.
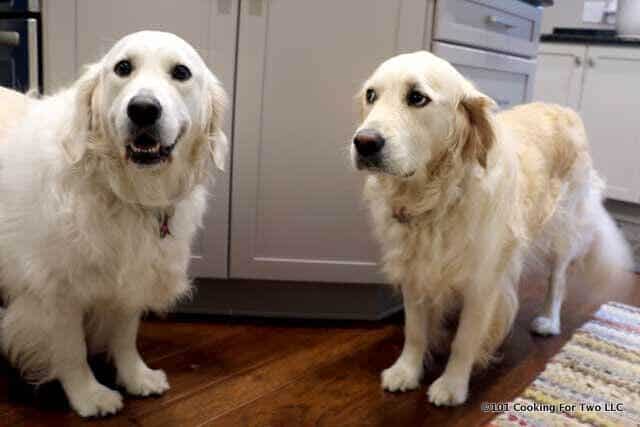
(506, 79)
(511, 27)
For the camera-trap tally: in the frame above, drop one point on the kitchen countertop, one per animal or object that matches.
(586, 36)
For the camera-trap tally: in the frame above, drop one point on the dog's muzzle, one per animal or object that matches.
(145, 148)
(368, 144)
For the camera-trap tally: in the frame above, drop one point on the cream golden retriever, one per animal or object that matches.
(102, 187)
(461, 199)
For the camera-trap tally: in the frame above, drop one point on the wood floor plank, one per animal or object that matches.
(321, 398)
(29, 408)
(198, 366)
(160, 338)
(157, 339)
(246, 387)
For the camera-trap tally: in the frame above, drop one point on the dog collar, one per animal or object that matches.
(164, 216)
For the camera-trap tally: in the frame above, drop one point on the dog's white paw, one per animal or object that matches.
(401, 377)
(145, 382)
(545, 326)
(98, 401)
(448, 391)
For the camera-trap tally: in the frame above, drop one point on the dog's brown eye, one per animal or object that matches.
(181, 72)
(371, 96)
(123, 68)
(417, 99)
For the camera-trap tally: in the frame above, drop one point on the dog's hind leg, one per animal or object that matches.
(565, 247)
(548, 322)
(46, 342)
(24, 332)
(406, 372)
(86, 395)
(132, 372)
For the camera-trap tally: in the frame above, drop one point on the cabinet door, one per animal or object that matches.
(506, 79)
(498, 25)
(210, 26)
(609, 106)
(297, 210)
(559, 74)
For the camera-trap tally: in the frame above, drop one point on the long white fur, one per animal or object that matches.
(81, 256)
(484, 195)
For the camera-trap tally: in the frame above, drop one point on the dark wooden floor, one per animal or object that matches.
(277, 373)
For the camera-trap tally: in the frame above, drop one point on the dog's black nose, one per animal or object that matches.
(144, 110)
(368, 142)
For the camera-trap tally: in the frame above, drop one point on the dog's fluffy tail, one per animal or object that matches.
(609, 257)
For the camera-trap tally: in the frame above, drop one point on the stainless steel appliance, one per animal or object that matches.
(20, 25)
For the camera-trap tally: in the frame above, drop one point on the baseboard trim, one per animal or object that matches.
(257, 298)
(625, 211)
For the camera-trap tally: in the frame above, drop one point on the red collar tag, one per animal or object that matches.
(164, 226)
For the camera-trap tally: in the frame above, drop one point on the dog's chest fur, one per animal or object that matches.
(123, 249)
(414, 247)
(436, 234)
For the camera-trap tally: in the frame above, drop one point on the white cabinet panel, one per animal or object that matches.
(506, 79)
(512, 27)
(559, 74)
(297, 212)
(210, 26)
(609, 107)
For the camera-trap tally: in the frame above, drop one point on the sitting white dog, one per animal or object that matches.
(102, 187)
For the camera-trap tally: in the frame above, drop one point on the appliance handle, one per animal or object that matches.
(34, 72)
(498, 22)
(9, 38)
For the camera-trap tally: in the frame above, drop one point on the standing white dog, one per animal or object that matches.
(460, 199)
(102, 187)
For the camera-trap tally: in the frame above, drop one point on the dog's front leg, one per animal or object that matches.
(406, 372)
(475, 319)
(86, 395)
(132, 373)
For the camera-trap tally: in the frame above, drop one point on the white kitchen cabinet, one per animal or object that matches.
(296, 211)
(559, 74)
(599, 82)
(90, 27)
(608, 106)
(503, 26)
(505, 78)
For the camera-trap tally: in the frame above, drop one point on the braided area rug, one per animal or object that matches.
(593, 381)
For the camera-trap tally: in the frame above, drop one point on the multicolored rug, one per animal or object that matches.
(593, 381)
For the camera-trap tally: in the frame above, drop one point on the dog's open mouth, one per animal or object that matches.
(146, 150)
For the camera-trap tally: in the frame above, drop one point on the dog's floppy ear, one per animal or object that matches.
(84, 119)
(480, 136)
(217, 105)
